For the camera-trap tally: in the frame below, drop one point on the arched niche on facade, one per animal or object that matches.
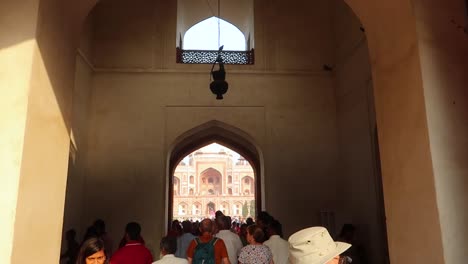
(211, 182)
(176, 185)
(248, 185)
(215, 132)
(182, 208)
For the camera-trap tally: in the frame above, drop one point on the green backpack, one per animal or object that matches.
(204, 252)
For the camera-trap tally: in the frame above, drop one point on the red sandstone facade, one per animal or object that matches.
(208, 181)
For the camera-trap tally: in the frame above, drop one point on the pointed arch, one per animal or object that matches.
(196, 209)
(216, 132)
(211, 132)
(182, 208)
(247, 185)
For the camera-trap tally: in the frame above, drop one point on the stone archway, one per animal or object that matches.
(408, 174)
(393, 45)
(222, 133)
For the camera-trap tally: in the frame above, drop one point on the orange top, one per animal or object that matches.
(219, 248)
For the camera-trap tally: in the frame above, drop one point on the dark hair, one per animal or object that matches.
(275, 228)
(227, 222)
(265, 218)
(169, 244)
(222, 222)
(88, 248)
(187, 226)
(133, 230)
(218, 214)
(175, 224)
(257, 233)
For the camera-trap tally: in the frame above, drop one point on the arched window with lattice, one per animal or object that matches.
(205, 25)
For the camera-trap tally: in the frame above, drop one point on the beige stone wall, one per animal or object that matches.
(407, 170)
(298, 43)
(17, 46)
(134, 119)
(49, 73)
(142, 101)
(41, 104)
(444, 61)
(359, 190)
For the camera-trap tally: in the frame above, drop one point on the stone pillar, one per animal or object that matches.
(412, 215)
(37, 63)
(443, 48)
(17, 45)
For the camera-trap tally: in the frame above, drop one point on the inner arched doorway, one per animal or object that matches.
(211, 181)
(220, 179)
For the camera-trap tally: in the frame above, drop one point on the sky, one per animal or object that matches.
(215, 147)
(204, 36)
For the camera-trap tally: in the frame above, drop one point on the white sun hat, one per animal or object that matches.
(314, 245)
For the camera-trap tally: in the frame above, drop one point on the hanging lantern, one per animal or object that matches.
(219, 86)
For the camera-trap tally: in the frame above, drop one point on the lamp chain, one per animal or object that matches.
(219, 23)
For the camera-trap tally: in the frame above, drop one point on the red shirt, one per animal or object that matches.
(219, 248)
(133, 252)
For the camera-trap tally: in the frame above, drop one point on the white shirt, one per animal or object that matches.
(280, 249)
(183, 243)
(233, 244)
(171, 259)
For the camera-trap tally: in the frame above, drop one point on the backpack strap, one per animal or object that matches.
(214, 240)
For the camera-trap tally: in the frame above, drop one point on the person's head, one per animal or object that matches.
(263, 219)
(91, 252)
(243, 230)
(222, 223)
(249, 221)
(218, 214)
(175, 225)
(187, 226)
(315, 245)
(275, 228)
(132, 231)
(255, 234)
(196, 228)
(206, 226)
(168, 245)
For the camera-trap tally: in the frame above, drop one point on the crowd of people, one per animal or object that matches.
(211, 241)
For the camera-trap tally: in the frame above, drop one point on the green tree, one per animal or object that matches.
(252, 208)
(245, 210)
